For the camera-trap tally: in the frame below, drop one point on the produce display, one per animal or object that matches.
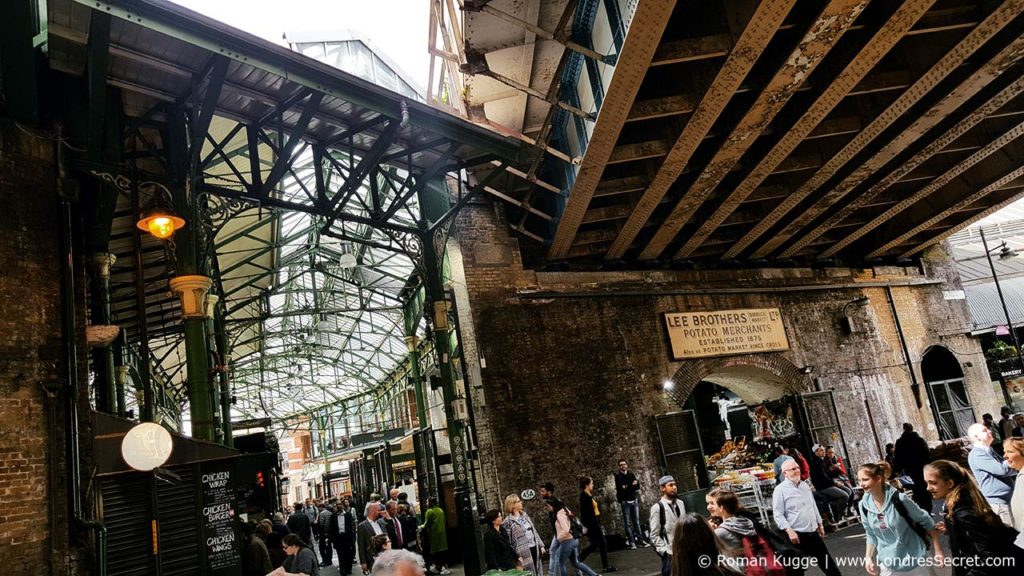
(738, 462)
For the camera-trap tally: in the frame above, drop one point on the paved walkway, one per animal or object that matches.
(848, 542)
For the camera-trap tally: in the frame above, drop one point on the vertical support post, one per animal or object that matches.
(434, 203)
(148, 411)
(1006, 312)
(187, 254)
(224, 353)
(103, 358)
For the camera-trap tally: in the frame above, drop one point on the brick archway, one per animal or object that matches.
(754, 377)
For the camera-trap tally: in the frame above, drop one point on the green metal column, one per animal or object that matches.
(433, 203)
(103, 358)
(224, 353)
(412, 311)
(186, 244)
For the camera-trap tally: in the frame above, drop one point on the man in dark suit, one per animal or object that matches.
(299, 525)
(396, 530)
(372, 526)
(342, 533)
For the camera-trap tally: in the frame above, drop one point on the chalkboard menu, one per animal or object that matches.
(220, 533)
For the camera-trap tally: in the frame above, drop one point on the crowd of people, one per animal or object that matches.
(981, 515)
(283, 545)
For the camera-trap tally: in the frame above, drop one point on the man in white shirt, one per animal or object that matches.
(796, 513)
(367, 529)
(664, 515)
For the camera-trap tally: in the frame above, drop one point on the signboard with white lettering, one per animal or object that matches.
(221, 537)
(725, 332)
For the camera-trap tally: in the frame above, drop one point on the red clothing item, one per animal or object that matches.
(805, 467)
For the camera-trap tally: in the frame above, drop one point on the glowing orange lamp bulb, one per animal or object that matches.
(160, 224)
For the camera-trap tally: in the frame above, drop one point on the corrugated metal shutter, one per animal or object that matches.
(682, 451)
(127, 509)
(179, 529)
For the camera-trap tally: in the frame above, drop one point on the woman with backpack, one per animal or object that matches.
(567, 532)
(741, 536)
(898, 532)
(976, 533)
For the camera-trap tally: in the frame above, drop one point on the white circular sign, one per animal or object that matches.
(146, 446)
(528, 494)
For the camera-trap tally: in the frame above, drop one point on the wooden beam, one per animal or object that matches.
(997, 20)
(646, 30)
(752, 42)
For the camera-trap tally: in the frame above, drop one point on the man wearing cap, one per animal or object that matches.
(664, 515)
(796, 514)
(838, 499)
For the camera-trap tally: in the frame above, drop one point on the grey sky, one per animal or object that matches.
(396, 27)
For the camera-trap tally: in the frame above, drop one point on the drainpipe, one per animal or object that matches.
(915, 386)
(106, 384)
(70, 351)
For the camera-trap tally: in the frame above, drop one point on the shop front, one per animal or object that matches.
(740, 399)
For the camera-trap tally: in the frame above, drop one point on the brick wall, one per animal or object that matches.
(30, 357)
(573, 381)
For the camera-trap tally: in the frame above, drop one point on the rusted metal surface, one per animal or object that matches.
(889, 34)
(645, 33)
(692, 49)
(833, 21)
(675, 105)
(996, 21)
(961, 205)
(937, 145)
(758, 33)
(951, 102)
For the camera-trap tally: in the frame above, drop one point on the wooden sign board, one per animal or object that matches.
(725, 332)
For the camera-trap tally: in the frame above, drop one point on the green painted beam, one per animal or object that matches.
(218, 38)
(19, 60)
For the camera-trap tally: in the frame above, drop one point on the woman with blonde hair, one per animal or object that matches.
(898, 532)
(523, 535)
(976, 533)
(1013, 453)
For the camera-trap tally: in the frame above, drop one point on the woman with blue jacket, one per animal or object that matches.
(898, 531)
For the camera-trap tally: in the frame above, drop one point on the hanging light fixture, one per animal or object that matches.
(158, 219)
(348, 258)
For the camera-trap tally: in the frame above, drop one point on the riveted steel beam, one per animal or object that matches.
(935, 147)
(639, 151)
(675, 105)
(958, 97)
(878, 46)
(529, 27)
(752, 42)
(995, 22)
(824, 33)
(961, 205)
(692, 49)
(646, 31)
